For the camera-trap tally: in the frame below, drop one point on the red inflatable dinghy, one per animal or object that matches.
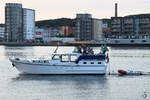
(129, 72)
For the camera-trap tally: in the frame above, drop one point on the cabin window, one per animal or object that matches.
(92, 62)
(84, 62)
(64, 58)
(99, 62)
(45, 61)
(56, 57)
(73, 58)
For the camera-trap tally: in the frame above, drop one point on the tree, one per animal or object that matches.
(56, 22)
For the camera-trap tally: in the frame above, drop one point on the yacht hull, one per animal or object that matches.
(30, 68)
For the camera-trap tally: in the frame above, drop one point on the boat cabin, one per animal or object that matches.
(65, 57)
(79, 58)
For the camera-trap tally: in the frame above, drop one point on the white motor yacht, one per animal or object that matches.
(64, 63)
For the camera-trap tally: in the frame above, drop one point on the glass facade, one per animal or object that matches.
(84, 27)
(14, 22)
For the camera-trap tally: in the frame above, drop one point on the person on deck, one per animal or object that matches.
(79, 49)
(84, 49)
(104, 48)
(90, 50)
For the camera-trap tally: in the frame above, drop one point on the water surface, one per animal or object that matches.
(16, 86)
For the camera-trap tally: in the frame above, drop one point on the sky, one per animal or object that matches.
(51, 9)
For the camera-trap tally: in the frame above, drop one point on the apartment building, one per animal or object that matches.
(116, 27)
(13, 22)
(68, 30)
(28, 24)
(84, 27)
(19, 23)
(97, 29)
(131, 27)
(2, 30)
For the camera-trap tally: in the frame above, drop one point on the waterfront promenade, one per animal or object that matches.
(109, 42)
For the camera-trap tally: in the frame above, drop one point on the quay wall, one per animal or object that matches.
(109, 42)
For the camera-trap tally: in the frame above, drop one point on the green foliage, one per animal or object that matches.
(56, 22)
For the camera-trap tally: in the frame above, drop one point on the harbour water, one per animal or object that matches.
(16, 86)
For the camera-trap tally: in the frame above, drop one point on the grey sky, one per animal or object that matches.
(50, 9)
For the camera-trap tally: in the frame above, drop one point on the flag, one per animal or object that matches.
(107, 58)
